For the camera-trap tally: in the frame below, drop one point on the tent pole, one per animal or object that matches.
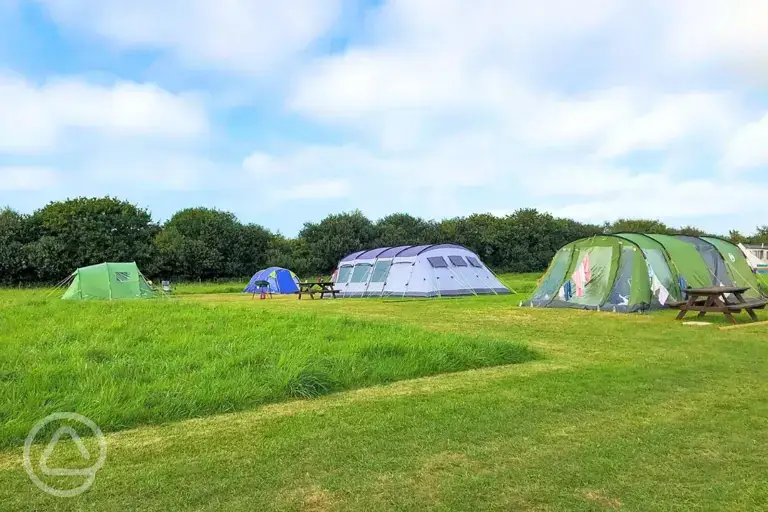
(386, 276)
(499, 280)
(109, 281)
(145, 281)
(405, 288)
(370, 276)
(463, 282)
(435, 284)
(61, 284)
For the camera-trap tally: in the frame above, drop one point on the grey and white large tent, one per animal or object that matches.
(416, 271)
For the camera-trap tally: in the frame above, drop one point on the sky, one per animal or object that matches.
(284, 112)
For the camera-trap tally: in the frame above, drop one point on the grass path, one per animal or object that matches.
(626, 412)
(537, 436)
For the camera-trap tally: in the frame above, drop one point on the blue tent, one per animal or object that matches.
(281, 280)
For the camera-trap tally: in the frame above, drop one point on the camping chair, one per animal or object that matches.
(263, 288)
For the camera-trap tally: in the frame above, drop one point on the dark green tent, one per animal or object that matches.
(637, 272)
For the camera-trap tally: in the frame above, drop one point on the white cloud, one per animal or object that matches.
(661, 197)
(261, 164)
(748, 148)
(572, 181)
(733, 32)
(34, 118)
(23, 178)
(672, 117)
(484, 26)
(448, 69)
(432, 64)
(237, 35)
(319, 190)
(600, 108)
(126, 168)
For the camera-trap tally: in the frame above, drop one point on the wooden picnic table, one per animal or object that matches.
(714, 299)
(321, 287)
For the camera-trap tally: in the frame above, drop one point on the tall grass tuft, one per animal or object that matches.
(129, 363)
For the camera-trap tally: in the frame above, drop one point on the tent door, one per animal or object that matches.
(397, 278)
(378, 277)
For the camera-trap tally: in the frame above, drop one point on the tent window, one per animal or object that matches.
(380, 271)
(344, 273)
(457, 261)
(360, 273)
(123, 277)
(473, 261)
(438, 262)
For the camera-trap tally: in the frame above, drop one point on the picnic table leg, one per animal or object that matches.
(684, 309)
(750, 311)
(724, 308)
(708, 303)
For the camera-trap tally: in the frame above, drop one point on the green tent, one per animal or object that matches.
(636, 272)
(108, 281)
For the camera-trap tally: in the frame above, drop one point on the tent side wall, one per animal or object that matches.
(554, 278)
(686, 261)
(398, 279)
(94, 282)
(286, 281)
(454, 274)
(737, 265)
(712, 258)
(126, 282)
(660, 265)
(631, 289)
(606, 272)
(591, 275)
(73, 291)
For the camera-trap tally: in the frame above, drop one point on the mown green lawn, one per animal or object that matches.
(618, 412)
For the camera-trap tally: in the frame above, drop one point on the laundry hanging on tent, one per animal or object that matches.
(659, 291)
(657, 288)
(582, 276)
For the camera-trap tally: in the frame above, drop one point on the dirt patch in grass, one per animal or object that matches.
(601, 499)
(308, 499)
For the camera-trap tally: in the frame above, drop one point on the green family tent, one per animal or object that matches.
(108, 281)
(634, 272)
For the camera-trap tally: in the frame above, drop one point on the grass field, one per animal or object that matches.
(599, 412)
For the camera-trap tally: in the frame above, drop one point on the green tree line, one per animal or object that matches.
(202, 243)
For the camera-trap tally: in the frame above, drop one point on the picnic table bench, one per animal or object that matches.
(715, 299)
(321, 287)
